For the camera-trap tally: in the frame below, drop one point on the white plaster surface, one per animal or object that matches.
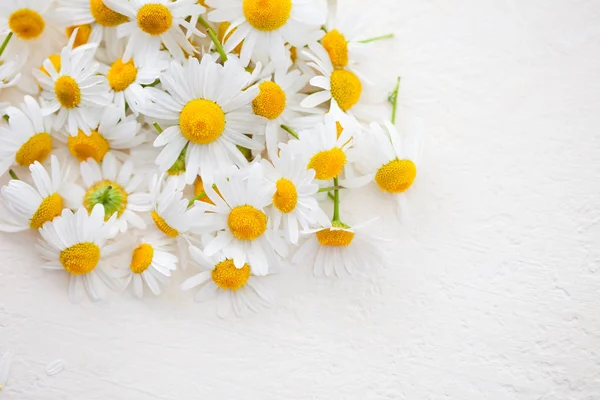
(493, 288)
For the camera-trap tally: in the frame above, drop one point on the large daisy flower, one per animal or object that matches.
(235, 288)
(209, 108)
(154, 23)
(266, 26)
(76, 243)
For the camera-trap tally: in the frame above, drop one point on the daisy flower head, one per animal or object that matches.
(77, 243)
(235, 288)
(75, 91)
(154, 23)
(208, 106)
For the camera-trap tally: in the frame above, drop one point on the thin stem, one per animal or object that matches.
(374, 39)
(330, 196)
(336, 202)
(290, 131)
(213, 37)
(5, 43)
(393, 99)
(13, 175)
(330, 188)
(158, 128)
(201, 195)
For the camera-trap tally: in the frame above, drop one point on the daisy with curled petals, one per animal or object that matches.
(265, 26)
(76, 243)
(294, 201)
(238, 218)
(209, 109)
(153, 23)
(75, 91)
(235, 288)
(27, 206)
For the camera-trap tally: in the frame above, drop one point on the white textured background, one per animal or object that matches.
(493, 291)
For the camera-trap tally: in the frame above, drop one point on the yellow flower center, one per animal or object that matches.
(223, 26)
(286, 196)
(67, 92)
(50, 208)
(104, 15)
(83, 34)
(337, 47)
(267, 15)
(270, 101)
(141, 258)
(202, 121)
(247, 222)
(36, 148)
(154, 19)
(335, 237)
(228, 277)
(81, 258)
(108, 193)
(328, 163)
(26, 23)
(55, 60)
(83, 146)
(163, 226)
(345, 88)
(396, 176)
(121, 75)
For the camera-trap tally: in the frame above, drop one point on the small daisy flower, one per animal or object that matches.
(294, 201)
(5, 364)
(154, 23)
(75, 91)
(29, 206)
(235, 288)
(209, 109)
(76, 243)
(265, 26)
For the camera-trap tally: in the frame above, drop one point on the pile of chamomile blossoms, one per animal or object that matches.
(144, 137)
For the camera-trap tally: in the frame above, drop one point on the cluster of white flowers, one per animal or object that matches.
(153, 134)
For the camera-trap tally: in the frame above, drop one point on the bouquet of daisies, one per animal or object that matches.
(145, 136)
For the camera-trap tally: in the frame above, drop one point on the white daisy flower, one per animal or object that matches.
(235, 288)
(76, 92)
(294, 201)
(154, 23)
(27, 138)
(76, 243)
(238, 218)
(265, 26)
(5, 364)
(29, 206)
(209, 108)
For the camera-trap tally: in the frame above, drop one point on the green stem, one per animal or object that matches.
(13, 175)
(290, 131)
(330, 196)
(104, 195)
(336, 202)
(330, 188)
(201, 195)
(393, 99)
(158, 128)
(214, 38)
(5, 43)
(374, 39)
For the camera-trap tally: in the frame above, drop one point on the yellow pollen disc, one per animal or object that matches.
(141, 258)
(202, 121)
(335, 237)
(267, 15)
(83, 146)
(163, 226)
(26, 23)
(104, 15)
(396, 176)
(83, 34)
(50, 208)
(223, 26)
(36, 148)
(227, 276)
(337, 47)
(345, 88)
(55, 60)
(121, 75)
(67, 92)
(154, 19)
(270, 101)
(246, 222)
(328, 164)
(286, 196)
(81, 258)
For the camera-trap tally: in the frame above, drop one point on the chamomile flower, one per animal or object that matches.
(235, 288)
(76, 243)
(75, 91)
(294, 201)
(153, 23)
(265, 26)
(209, 110)
(239, 220)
